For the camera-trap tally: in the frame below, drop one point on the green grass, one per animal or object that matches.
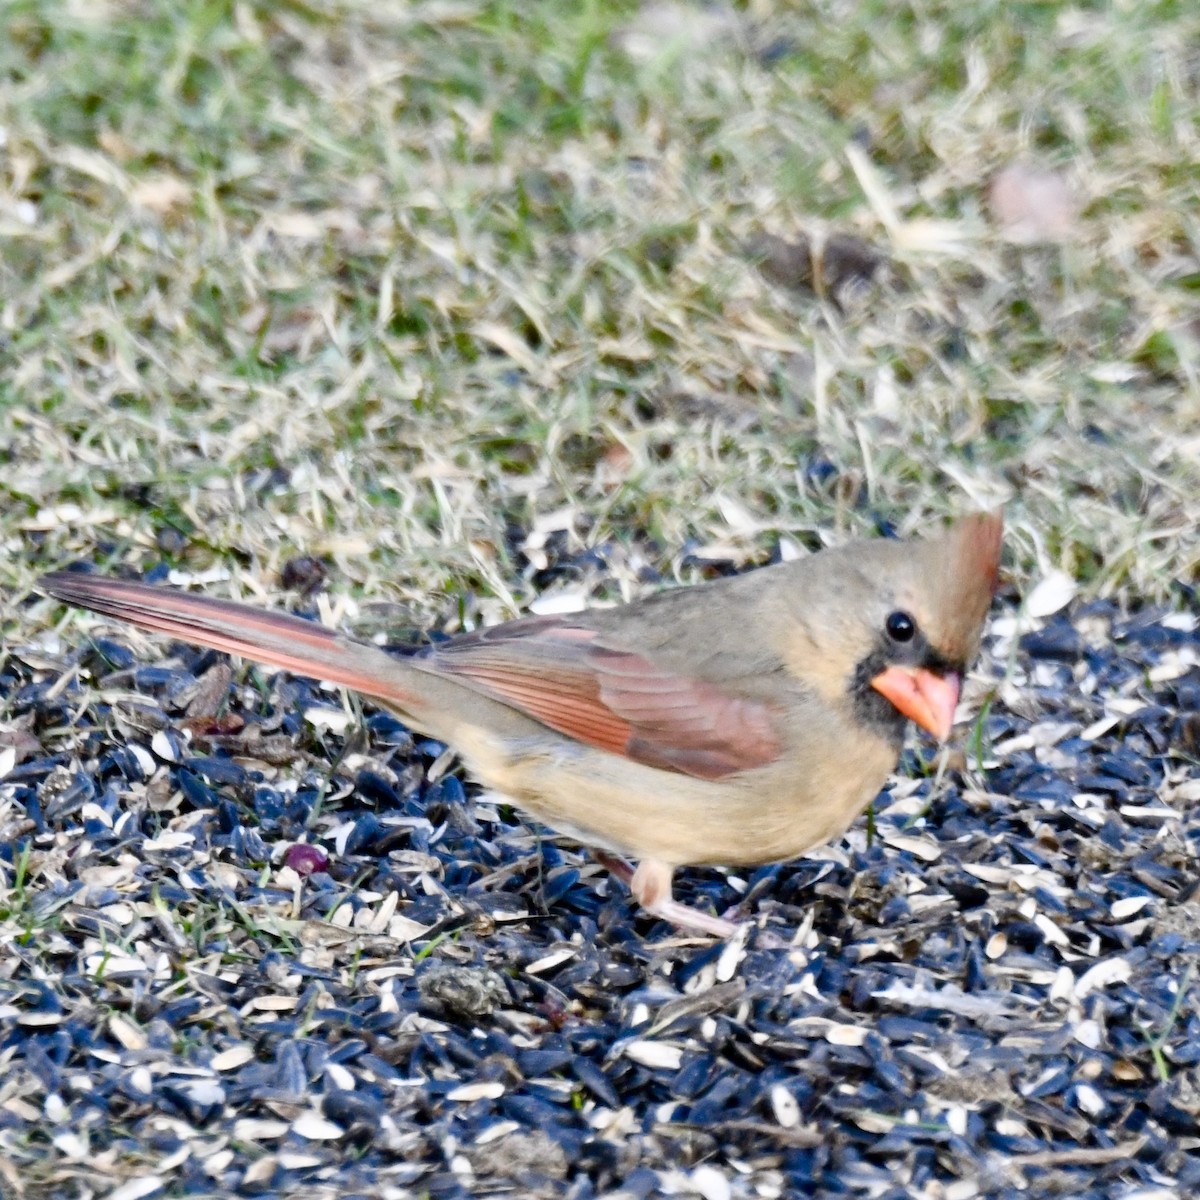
(440, 263)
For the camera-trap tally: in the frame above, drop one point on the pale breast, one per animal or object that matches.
(767, 815)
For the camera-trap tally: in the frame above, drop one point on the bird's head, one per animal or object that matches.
(899, 622)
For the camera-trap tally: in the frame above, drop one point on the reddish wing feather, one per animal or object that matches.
(563, 699)
(613, 699)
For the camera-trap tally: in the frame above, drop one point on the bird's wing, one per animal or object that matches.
(570, 678)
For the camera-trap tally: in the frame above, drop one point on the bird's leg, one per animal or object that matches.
(651, 888)
(614, 864)
(650, 884)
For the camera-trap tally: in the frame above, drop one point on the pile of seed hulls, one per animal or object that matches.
(253, 942)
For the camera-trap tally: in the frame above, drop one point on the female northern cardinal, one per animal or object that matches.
(737, 722)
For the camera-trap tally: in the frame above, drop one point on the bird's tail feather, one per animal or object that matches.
(275, 639)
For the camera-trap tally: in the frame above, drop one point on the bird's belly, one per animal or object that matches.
(804, 803)
(613, 803)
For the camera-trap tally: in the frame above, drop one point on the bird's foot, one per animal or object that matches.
(683, 916)
(650, 884)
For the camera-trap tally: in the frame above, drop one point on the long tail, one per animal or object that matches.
(276, 639)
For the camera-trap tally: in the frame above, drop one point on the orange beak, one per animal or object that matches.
(922, 696)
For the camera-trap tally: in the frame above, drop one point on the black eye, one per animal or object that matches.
(900, 627)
